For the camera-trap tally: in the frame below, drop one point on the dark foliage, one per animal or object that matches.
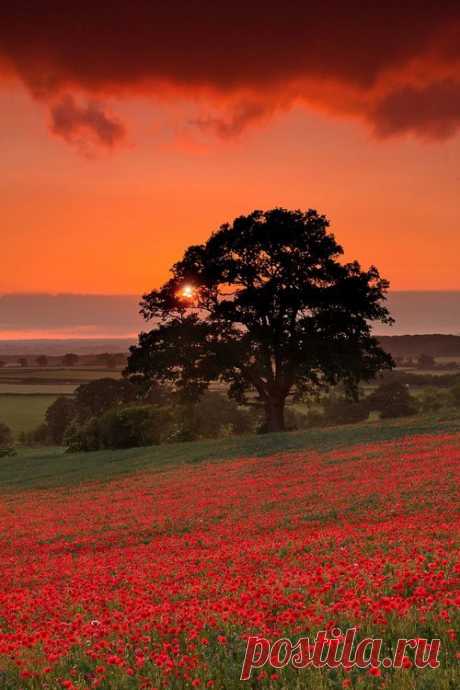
(58, 417)
(436, 345)
(392, 400)
(211, 416)
(96, 397)
(345, 411)
(70, 359)
(6, 440)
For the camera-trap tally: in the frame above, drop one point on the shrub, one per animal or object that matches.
(127, 426)
(294, 419)
(136, 425)
(316, 418)
(212, 416)
(38, 437)
(433, 400)
(58, 417)
(96, 397)
(82, 436)
(345, 411)
(392, 400)
(6, 440)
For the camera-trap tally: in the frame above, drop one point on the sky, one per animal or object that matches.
(130, 131)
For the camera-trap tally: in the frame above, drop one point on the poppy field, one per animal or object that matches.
(157, 579)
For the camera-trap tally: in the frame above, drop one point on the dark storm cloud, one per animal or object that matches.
(382, 62)
(432, 110)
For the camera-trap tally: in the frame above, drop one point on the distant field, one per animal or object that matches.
(428, 372)
(71, 375)
(24, 412)
(444, 360)
(26, 392)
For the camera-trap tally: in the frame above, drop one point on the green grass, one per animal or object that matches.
(44, 468)
(26, 393)
(24, 412)
(58, 381)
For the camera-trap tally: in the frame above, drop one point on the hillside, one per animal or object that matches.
(35, 468)
(154, 575)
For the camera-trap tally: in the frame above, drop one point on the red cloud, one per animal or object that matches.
(395, 65)
(85, 126)
(432, 111)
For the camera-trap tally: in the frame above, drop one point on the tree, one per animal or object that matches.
(212, 416)
(70, 359)
(266, 307)
(135, 425)
(6, 440)
(58, 417)
(108, 360)
(22, 361)
(2, 364)
(42, 361)
(94, 398)
(392, 400)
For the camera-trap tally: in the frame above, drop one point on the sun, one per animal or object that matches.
(187, 291)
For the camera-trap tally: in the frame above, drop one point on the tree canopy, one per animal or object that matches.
(266, 307)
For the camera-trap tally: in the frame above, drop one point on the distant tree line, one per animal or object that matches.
(109, 413)
(106, 360)
(436, 345)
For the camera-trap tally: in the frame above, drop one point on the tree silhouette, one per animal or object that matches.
(108, 360)
(70, 359)
(266, 307)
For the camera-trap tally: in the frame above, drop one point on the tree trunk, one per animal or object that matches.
(274, 415)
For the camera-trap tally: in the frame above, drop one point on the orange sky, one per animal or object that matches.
(115, 222)
(132, 131)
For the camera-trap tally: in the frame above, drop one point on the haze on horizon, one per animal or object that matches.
(114, 161)
(47, 316)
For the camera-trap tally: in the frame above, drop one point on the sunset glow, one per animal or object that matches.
(187, 292)
(229, 345)
(115, 167)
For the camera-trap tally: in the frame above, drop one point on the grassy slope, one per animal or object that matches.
(42, 468)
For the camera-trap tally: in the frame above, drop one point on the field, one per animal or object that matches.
(27, 392)
(149, 568)
(23, 412)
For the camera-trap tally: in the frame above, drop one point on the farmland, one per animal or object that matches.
(148, 568)
(26, 393)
